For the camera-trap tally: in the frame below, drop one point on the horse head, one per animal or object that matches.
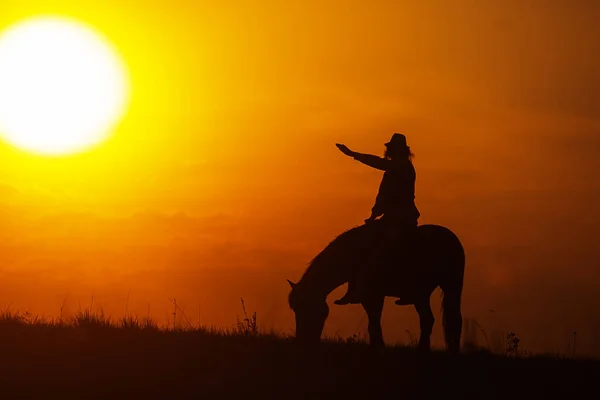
(310, 310)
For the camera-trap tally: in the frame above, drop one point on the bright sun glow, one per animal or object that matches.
(62, 87)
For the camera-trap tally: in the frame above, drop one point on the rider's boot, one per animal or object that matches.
(404, 301)
(351, 297)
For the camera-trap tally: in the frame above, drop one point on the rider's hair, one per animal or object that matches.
(399, 153)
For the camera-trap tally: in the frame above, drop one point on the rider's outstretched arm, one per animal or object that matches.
(371, 160)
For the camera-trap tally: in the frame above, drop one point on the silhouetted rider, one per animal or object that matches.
(395, 202)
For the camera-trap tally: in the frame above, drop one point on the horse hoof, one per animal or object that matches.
(423, 349)
(377, 349)
(454, 353)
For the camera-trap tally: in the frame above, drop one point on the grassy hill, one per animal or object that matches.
(90, 356)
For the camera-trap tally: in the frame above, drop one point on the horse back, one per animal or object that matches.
(435, 255)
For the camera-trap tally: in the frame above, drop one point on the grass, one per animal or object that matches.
(93, 356)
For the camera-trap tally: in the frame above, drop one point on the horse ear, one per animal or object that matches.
(292, 284)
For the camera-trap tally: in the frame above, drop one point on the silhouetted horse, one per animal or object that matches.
(437, 259)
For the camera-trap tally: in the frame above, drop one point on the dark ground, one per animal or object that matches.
(89, 360)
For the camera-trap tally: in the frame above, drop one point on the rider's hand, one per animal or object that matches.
(344, 149)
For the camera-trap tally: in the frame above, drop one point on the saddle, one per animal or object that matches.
(394, 240)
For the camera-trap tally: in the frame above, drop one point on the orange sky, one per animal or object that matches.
(223, 180)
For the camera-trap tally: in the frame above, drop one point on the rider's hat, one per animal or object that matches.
(398, 140)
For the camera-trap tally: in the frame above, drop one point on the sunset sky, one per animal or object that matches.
(223, 180)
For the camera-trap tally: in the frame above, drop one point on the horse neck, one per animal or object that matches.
(322, 280)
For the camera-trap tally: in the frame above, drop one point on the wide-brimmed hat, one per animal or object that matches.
(398, 140)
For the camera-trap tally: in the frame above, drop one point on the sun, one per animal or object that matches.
(63, 87)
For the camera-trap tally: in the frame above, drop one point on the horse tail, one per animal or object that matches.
(451, 304)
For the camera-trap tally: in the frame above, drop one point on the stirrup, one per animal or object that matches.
(345, 301)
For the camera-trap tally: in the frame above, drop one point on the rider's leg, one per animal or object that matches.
(361, 275)
(406, 244)
(352, 295)
(362, 272)
(377, 261)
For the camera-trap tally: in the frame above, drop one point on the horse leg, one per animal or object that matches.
(374, 309)
(426, 321)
